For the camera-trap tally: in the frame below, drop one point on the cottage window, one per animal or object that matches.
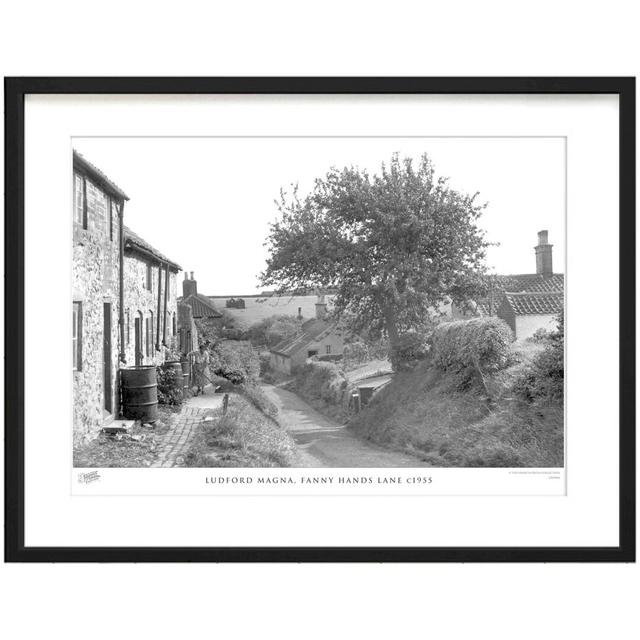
(76, 340)
(80, 200)
(128, 328)
(149, 280)
(327, 349)
(173, 324)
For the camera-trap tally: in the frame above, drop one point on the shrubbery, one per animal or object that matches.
(411, 348)
(360, 351)
(236, 361)
(169, 386)
(322, 381)
(272, 330)
(544, 378)
(479, 344)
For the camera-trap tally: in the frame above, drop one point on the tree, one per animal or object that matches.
(272, 330)
(395, 245)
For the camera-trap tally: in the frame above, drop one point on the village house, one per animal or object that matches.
(124, 314)
(98, 208)
(150, 301)
(320, 337)
(526, 302)
(195, 306)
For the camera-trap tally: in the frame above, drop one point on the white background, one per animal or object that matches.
(331, 38)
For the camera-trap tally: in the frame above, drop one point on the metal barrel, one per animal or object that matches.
(186, 373)
(139, 393)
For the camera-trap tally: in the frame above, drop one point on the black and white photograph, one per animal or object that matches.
(342, 302)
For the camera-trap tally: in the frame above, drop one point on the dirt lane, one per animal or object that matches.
(324, 443)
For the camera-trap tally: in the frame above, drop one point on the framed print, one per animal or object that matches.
(320, 319)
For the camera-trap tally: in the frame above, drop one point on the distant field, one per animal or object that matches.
(260, 307)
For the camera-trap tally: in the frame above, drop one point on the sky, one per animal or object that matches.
(206, 203)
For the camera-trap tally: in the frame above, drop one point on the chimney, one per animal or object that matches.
(321, 308)
(189, 286)
(544, 261)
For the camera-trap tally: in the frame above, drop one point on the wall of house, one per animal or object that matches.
(506, 313)
(139, 301)
(527, 325)
(333, 340)
(280, 363)
(95, 274)
(187, 330)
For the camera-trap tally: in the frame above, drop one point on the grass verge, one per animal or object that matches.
(244, 437)
(427, 413)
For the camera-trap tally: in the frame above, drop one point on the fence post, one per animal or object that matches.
(355, 396)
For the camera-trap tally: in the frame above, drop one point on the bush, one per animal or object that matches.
(479, 344)
(544, 378)
(274, 329)
(322, 381)
(235, 303)
(411, 348)
(234, 360)
(169, 386)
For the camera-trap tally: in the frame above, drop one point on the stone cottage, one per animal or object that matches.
(320, 337)
(526, 302)
(97, 210)
(150, 303)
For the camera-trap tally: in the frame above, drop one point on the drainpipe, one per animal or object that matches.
(159, 306)
(123, 357)
(166, 294)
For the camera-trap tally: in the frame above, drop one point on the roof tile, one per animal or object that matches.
(535, 302)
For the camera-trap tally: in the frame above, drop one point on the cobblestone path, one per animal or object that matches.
(177, 439)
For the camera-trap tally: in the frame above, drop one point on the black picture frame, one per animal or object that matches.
(15, 91)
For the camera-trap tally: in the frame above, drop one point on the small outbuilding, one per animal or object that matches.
(529, 311)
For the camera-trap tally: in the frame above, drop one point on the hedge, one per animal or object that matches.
(322, 381)
(479, 343)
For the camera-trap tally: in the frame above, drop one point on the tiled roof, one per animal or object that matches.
(535, 303)
(529, 282)
(201, 306)
(80, 162)
(134, 241)
(312, 330)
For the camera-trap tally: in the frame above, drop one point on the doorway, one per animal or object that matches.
(106, 359)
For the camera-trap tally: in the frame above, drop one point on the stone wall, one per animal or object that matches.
(95, 273)
(142, 302)
(187, 330)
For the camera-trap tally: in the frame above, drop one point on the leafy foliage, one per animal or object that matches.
(169, 386)
(321, 381)
(274, 329)
(411, 348)
(395, 245)
(234, 360)
(543, 381)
